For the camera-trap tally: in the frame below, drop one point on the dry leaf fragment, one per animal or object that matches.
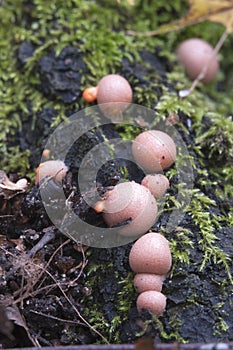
(220, 11)
(145, 343)
(225, 18)
(213, 10)
(13, 315)
(6, 325)
(8, 188)
(130, 2)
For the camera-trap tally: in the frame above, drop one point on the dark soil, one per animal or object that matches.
(57, 285)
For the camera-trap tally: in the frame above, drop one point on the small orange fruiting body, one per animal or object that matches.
(99, 206)
(90, 94)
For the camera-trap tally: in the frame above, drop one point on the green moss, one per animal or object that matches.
(170, 335)
(174, 335)
(17, 161)
(147, 94)
(123, 301)
(124, 172)
(52, 26)
(199, 210)
(128, 132)
(95, 314)
(217, 140)
(171, 103)
(125, 294)
(148, 15)
(220, 326)
(181, 247)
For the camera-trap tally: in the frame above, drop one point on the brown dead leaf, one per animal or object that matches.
(13, 315)
(220, 11)
(6, 325)
(225, 18)
(130, 2)
(6, 243)
(9, 189)
(214, 10)
(145, 343)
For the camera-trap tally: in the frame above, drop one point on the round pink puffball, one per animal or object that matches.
(148, 281)
(157, 184)
(151, 254)
(194, 54)
(133, 202)
(153, 301)
(55, 169)
(113, 88)
(154, 150)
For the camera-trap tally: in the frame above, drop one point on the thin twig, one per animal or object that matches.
(73, 306)
(50, 260)
(27, 288)
(32, 294)
(48, 236)
(57, 318)
(44, 270)
(84, 263)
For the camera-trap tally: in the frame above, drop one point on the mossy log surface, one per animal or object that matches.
(72, 295)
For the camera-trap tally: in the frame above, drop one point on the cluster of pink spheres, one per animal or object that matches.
(193, 54)
(150, 258)
(136, 204)
(133, 203)
(153, 151)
